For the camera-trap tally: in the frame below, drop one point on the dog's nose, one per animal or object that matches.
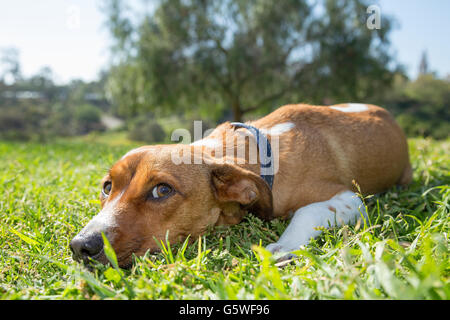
(84, 247)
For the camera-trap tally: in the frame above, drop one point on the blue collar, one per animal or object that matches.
(265, 152)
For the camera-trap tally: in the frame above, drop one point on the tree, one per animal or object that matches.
(350, 60)
(423, 65)
(244, 55)
(421, 106)
(43, 82)
(11, 65)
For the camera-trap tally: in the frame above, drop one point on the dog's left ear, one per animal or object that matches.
(234, 184)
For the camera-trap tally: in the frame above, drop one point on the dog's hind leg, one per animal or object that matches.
(344, 208)
(406, 177)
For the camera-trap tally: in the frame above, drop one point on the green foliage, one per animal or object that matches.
(87, 118)
(35, 108)
(244, 56)
(421, 106)
(22, 121)
(27, 120)
(51, 192)
(350, 60)
(146, 129)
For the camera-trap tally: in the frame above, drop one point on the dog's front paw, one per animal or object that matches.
(274, 247)
(280, 252)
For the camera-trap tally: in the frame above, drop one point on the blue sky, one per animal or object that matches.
(48, 32)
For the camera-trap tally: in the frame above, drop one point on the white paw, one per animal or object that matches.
(280, 252)
(274, 247)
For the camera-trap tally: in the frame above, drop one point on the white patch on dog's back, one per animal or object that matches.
(351, 107)
(278, 129)
(209, 143)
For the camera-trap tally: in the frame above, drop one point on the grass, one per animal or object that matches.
(48, 192)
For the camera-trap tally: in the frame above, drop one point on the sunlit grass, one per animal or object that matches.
(48, 192)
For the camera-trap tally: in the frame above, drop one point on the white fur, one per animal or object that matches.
(105, 219)
(278, 129)
(343, 208)
(209, 143)
(351, 107)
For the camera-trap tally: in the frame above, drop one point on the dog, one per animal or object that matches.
(316, 154)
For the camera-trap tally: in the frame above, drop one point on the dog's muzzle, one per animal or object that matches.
(87, 246)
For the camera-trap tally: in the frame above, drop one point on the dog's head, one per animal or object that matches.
(145, 195)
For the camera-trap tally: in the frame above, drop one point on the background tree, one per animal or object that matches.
(350, 61)
(421, 106)
(423, 65)
(35, 108)
(244, 56)
(10, 65)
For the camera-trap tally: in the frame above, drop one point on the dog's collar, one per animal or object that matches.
(265, 152)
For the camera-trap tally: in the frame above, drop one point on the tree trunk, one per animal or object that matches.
(236, 109)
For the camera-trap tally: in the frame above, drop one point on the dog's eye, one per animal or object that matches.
(161, 190)
(106, 188)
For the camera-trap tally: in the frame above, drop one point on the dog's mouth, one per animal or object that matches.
(90, 261)
(125, 261)
(124, 255)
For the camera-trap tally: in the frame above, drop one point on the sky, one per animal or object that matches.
(71, 38)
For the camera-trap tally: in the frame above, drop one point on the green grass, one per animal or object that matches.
(48, 192)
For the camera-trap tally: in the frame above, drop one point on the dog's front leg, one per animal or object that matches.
(343, 208)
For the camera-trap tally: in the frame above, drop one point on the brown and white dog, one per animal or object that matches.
(320, 150)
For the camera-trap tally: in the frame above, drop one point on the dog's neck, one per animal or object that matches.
(240, 147)
(265, 155)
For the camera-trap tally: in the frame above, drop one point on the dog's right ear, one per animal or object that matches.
(234, 184)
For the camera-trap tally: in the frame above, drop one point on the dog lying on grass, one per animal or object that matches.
(299, 161)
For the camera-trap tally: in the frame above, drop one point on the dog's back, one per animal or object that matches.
(326, 148)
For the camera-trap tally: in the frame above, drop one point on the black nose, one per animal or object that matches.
(86, 246)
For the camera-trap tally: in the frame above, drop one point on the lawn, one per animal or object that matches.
(50, 191)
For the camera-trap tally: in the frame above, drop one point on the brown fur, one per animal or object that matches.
(320, 157)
